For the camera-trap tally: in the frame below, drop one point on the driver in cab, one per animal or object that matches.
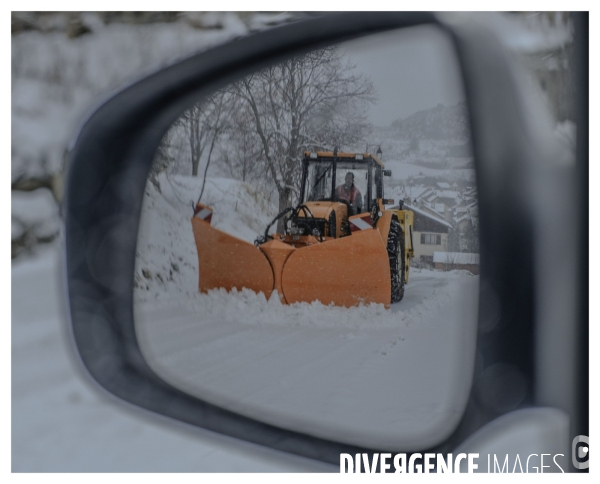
(349, 192)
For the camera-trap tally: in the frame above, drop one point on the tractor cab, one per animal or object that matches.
(337, 186)
(324, 176)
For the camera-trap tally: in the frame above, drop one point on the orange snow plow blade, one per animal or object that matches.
(346, 272)
(228, 262)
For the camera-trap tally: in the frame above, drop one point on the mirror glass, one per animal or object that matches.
(308, 252)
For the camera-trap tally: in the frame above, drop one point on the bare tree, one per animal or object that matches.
(221, 105)
(204, 123)
(313, 101)
(241, 148)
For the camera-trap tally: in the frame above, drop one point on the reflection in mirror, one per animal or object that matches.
(308, 252)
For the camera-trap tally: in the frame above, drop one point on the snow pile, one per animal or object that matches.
(167, 260)
(251, 308)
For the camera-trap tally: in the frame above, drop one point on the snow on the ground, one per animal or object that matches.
(393, 378)
(62, 423)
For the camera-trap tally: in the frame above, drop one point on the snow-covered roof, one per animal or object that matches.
(456, 257)
(426, 214)
(443, 185)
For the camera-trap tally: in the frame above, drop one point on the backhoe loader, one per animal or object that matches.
(339, 245)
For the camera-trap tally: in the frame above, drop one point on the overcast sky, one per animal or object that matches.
(412, 69)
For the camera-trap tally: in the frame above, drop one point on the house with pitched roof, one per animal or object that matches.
(430, 233)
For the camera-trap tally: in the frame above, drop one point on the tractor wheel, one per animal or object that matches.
(395, 249)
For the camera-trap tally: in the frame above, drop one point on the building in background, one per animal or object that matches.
(430, 234)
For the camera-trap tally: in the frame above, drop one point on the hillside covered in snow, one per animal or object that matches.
(167, 261)
(439, 122)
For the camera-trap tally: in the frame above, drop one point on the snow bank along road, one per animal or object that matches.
(395, 379)
(60, 423)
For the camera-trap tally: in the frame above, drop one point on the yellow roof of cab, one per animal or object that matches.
(341, 154)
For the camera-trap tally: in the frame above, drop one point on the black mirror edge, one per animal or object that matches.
(582, 31)
(109, 164)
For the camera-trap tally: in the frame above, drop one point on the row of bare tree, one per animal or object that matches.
(259, 126)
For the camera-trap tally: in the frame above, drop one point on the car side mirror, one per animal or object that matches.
(523, 303)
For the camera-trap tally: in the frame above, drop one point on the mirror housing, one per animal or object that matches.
(113, 152)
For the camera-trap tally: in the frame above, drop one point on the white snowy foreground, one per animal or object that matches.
(393, 378)
(62, 423)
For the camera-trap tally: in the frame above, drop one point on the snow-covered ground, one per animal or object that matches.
(396, 378)
(63, 423)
